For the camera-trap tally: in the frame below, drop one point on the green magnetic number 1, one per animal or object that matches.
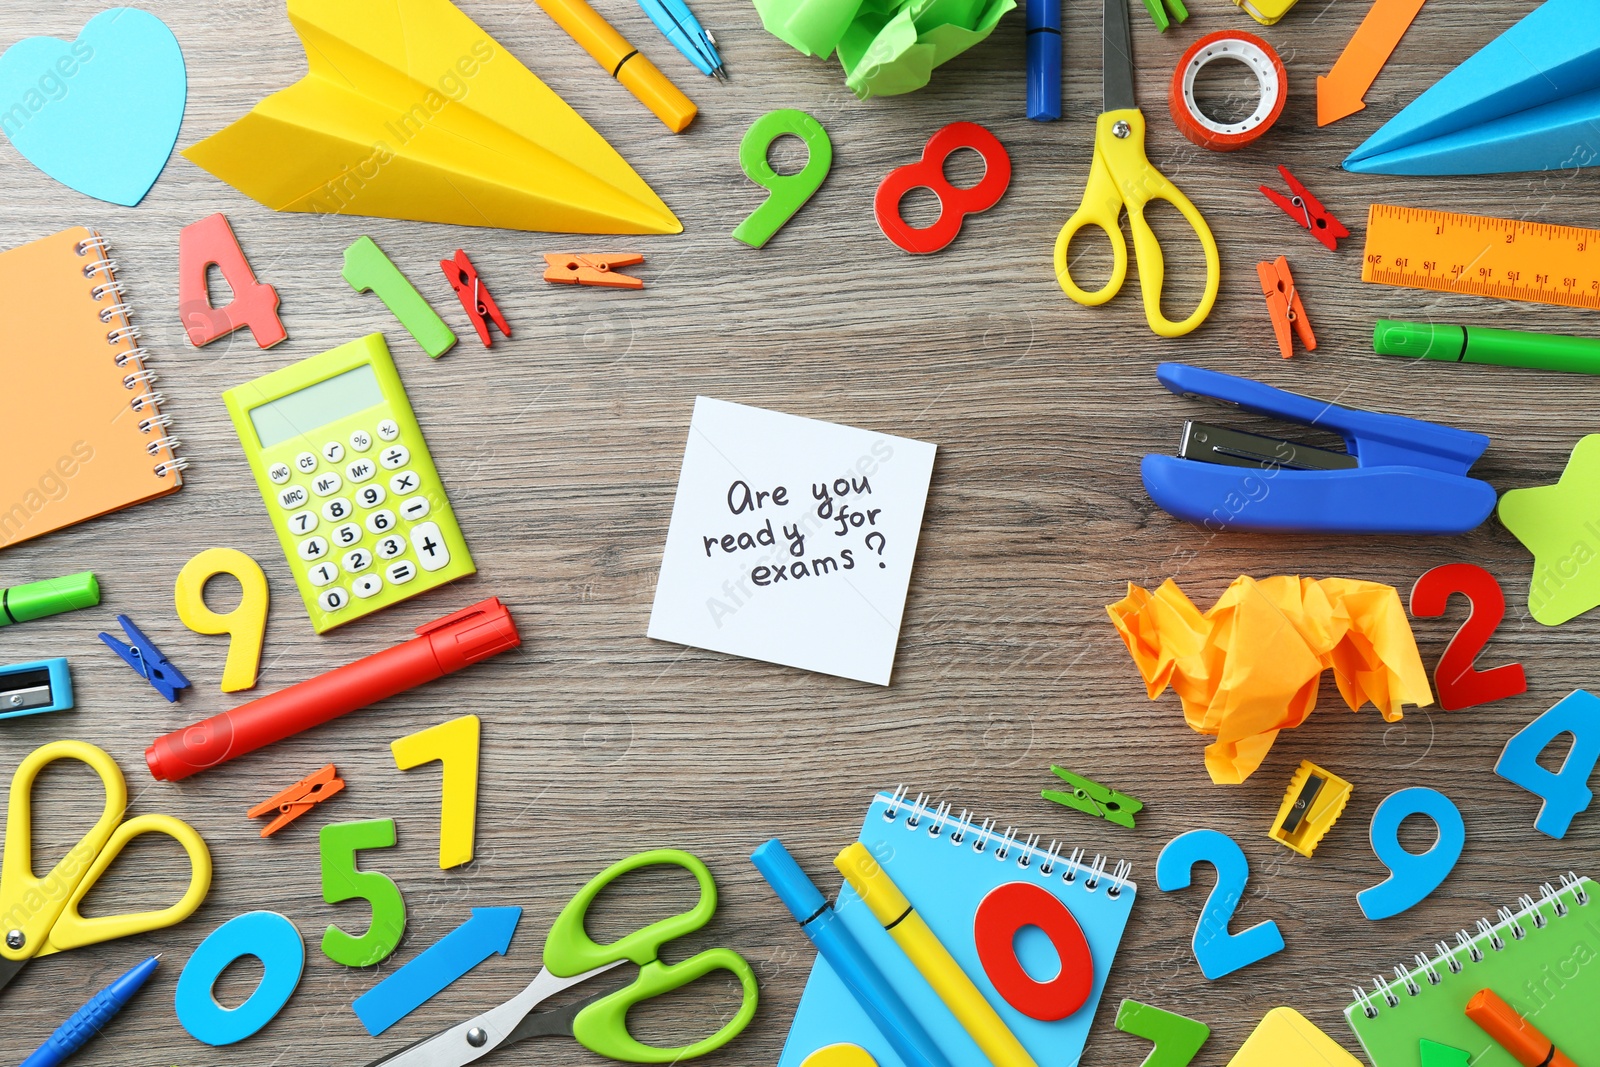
(366, 268)
(342, 881)
(786, 193)
(1178, 1039)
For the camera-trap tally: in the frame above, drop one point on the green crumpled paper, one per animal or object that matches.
(887, 47)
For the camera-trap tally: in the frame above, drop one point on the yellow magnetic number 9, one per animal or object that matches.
(245, 624)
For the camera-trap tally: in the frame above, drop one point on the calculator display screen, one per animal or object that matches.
(316, 405)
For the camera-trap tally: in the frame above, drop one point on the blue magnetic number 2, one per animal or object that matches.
(1567, 792)
(1218, 952)
(1412, 876)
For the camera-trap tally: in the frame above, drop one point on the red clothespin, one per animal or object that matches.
(298, 799)
(1305, 210)
(584, 268)
(1283, 304)
(474, 295)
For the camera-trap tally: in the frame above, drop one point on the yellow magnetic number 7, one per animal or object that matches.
(246, 624)
(454, 744)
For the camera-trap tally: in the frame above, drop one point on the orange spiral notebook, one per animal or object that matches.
(85, 432)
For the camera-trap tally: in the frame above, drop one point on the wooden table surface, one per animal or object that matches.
(561, 448)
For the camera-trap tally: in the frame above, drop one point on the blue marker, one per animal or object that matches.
(849, 961)
(92, 1017)
(673, 18)
(1044, 60)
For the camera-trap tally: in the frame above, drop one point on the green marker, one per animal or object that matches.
(1476, 344)
(24, 603)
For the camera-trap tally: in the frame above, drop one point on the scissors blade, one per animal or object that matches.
(1117, 69)
(9, 969)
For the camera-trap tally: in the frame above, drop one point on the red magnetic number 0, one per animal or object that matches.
(954, 203)
(211, 243)
(1008, 909)
(1460, 685)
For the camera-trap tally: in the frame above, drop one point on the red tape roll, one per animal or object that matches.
(1263, 62)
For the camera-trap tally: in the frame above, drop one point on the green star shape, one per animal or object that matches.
(1560, 525)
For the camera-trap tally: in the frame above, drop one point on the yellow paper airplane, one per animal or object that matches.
(415, 112)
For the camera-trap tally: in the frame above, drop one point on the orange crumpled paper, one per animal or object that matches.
(1251, 665)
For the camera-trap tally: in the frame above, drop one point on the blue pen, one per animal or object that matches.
(673, 18)
(849, 961)
(88, 1020)
(1044, 60)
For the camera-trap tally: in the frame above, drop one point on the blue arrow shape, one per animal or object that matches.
(487, 933)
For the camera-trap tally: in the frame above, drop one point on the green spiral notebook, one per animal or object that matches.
(1543, 957)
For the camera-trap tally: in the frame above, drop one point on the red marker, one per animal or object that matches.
(1514, 1033)
(442, 647)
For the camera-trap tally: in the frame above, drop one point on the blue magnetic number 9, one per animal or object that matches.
(267, 936)
(1218, 952)
(786, 193)
(1565, 793)
(1412, 876)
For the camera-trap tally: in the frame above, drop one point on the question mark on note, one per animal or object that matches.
(883, 542)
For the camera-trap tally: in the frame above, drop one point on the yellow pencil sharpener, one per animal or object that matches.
(1311, 805)
(1266, 12)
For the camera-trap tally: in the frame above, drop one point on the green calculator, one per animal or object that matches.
(347, 478)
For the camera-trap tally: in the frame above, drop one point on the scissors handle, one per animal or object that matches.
(1101, 209)
(602, 1026)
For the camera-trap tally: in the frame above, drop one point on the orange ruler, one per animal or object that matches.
(1500, 258)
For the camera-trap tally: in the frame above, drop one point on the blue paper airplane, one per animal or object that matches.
(1528, 100)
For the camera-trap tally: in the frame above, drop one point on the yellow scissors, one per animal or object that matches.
(39, 916)
(1121, 177)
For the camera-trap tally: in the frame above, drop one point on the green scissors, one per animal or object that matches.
(571, 957)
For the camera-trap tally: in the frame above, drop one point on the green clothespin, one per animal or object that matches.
(1092, 798)
(1159, 15)
(1178, 1039)
(1437, 1055)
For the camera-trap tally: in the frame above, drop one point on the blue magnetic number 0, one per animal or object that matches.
(1412, 875)
(1566, 792)
(1218, 952)
(267, 936)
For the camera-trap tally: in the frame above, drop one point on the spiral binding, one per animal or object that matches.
(1514, 924)
(1003, 846)
(147, 402)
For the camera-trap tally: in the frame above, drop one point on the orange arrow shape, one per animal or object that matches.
(1342, 92)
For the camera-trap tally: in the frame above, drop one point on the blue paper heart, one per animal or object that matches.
(99, 115)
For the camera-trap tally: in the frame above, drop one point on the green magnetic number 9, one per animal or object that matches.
(342, 881)
(787, 193)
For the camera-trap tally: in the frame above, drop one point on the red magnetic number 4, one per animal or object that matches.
(1460, 684)
(211, 243)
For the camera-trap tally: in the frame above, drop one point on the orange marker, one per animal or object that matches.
(1341, 93)
(1514, 1033)
(612, 51)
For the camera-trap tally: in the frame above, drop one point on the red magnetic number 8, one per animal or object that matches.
(1461, 685)
(954, 203)
(1008, 909)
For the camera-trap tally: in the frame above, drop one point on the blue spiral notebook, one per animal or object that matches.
(946, 864)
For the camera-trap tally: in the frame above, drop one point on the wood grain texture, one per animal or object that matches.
(560, 450)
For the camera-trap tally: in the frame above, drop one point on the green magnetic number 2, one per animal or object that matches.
(342, 881)
(787, 193)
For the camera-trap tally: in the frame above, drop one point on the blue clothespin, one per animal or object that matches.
(145, 658)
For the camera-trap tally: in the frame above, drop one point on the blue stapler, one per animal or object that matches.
(1396, 475)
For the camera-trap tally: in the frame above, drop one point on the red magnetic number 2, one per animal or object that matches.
(1006, 910)
(955, 203)
(1460, 684)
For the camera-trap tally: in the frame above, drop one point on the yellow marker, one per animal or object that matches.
(965, 1001)
(614, 54)
(246, 624)
(840, 1056)
(455, 744)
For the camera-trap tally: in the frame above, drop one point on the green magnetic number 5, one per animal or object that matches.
(342, 881)
(787, 193)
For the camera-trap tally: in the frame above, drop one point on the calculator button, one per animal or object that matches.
(370, 496)
(360, 440)
(313, 548)
(429, 543)
(356, 560)
(326, 484)
(361, 470)
(346, 535)
(302, 522)
(390, 547)
(333, 451)
(415, 508)
(333, 599)
(388, 429)
(279, 473)
(336, 509)
(400, 573)
(367, 585)
(305, 462)
(322, 574)
(404, 482)
(394, 456)
(293, 496)
(381, 521)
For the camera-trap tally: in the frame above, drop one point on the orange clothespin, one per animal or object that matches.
(1307, 211)
(474, 296)
(586, 268)
(1283, 304)
(298, 799)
